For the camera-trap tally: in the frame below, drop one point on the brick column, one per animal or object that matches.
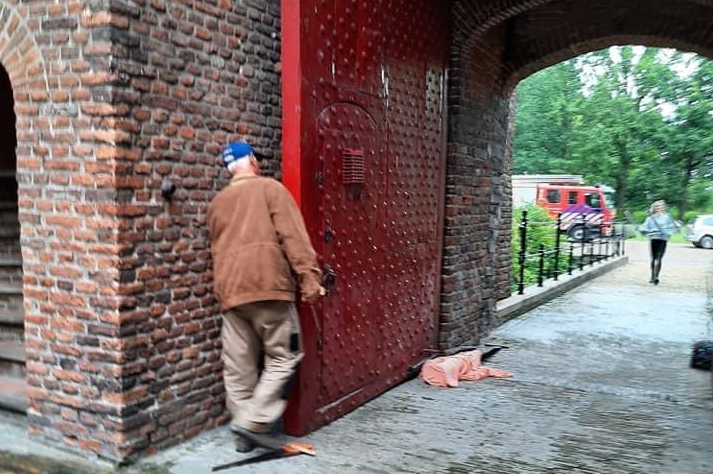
(60, 76)
(477, 181)
(192, 77)
(122, 329)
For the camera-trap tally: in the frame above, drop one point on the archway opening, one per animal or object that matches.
(597, 139)
(9, 225)
(12, 351)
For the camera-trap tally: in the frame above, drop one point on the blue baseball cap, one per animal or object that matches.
(234, 151)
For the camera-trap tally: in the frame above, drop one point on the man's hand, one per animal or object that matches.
(313, 296)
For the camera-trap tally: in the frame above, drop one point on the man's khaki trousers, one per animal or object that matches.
(270, 328)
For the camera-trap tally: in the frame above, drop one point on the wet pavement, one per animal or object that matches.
(601, 386)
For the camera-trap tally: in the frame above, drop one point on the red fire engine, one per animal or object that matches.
(583, 208)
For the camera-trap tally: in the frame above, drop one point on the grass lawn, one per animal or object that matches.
(675, 238)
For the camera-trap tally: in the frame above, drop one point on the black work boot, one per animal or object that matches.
(242, 444)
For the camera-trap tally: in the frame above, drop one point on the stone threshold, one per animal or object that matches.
(535, 296)
(12, 394)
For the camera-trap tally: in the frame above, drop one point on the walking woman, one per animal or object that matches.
(658, 227)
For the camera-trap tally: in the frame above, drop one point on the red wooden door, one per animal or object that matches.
(352, 169)
(364, 86)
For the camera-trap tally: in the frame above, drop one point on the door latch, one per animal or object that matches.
(329, 279)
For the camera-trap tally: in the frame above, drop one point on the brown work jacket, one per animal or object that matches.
(259, 243)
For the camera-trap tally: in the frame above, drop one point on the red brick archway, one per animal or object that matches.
(12, 361)
(495, 45)
(22, 74)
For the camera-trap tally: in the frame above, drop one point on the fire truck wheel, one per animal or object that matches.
(576, 232)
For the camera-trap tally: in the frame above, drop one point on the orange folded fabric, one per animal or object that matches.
(449, 370)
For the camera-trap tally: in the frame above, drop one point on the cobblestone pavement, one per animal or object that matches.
(601, 385)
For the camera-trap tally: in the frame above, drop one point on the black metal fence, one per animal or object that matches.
(581, 244)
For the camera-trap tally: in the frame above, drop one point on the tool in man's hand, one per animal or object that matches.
(276, 450)
(327, 287)
(317, 327)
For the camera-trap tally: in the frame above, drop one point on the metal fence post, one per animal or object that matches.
(557, 246)
(591, 254)
(581, 242)
(541, 270)
(523, 250)
(571, 258)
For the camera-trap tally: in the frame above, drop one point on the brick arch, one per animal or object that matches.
(19, 52)
(553, 32)
(494, 45)
(473, 18)
(22, 71)
(476, 17)
(596, 44)
(535, 34)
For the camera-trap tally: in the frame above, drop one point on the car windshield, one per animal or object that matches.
(609, 199)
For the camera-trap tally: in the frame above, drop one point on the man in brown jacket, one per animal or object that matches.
(259, 244)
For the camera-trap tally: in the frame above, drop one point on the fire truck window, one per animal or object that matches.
(593, 200)
(572, 197)
(553, 195)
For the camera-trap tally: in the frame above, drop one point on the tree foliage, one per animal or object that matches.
(637, 119)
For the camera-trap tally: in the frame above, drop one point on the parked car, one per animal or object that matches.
(699, 231)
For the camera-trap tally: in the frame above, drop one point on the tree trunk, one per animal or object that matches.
(621, 179)
(688, 168)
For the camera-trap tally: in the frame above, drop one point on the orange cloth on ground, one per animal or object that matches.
(447, 371)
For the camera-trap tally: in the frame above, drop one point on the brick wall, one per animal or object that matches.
(112, 98)
(59, 80)
(476, 237)
(503, 266)
(191, 76)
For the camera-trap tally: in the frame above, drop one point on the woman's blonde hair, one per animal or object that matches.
(657, 206)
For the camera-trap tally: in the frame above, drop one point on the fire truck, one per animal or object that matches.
(586, 211)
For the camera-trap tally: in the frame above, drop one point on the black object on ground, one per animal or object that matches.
(276, 449)
(702, 355)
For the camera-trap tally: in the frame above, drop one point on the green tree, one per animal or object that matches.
(547, 118)
(688, 139)
(622, 104)
(638, 119)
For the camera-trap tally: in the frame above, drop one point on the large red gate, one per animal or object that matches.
(364, 85)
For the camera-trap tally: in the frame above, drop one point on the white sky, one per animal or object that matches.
(683, 68)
